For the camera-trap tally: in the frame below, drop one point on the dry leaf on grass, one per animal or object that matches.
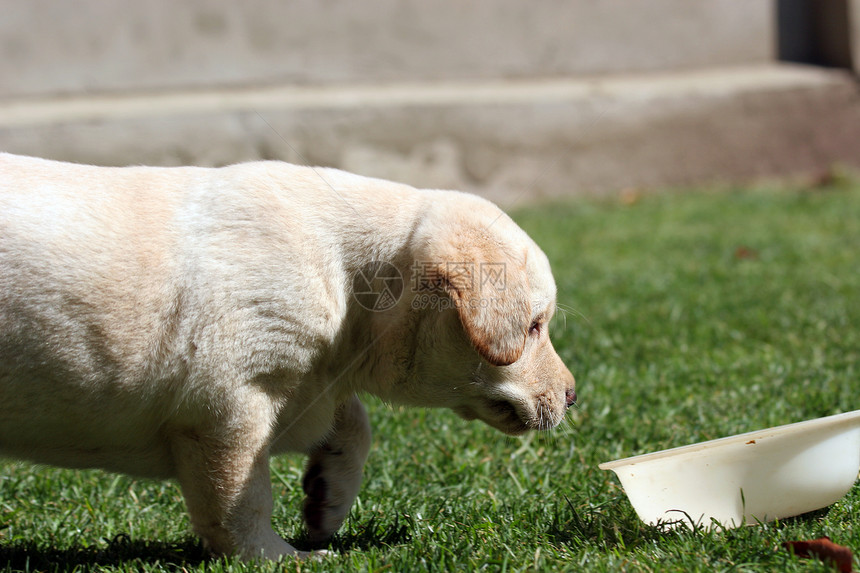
(745, 253)
(823, 549)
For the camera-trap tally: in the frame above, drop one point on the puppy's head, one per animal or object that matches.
(487, 295)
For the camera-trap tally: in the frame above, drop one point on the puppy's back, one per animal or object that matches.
(85, 275)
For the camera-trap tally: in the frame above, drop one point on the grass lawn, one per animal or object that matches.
(690, 317)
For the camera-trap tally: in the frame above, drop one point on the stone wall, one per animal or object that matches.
(91, 46)
(510, 99)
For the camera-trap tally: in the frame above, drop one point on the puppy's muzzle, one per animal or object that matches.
(570, 398)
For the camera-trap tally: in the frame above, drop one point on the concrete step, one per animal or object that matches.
(96, 46)
(512, 140)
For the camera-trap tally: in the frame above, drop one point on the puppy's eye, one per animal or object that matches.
(535, 328)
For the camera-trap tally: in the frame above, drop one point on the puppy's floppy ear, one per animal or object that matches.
(489, 287)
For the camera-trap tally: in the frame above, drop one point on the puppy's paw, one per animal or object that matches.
(326, 505)
(318, 555)
(333, 475)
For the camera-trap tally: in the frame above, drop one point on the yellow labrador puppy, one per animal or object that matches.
(189, 323)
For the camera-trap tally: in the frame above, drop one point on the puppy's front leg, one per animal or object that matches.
(333, 475)
(225, 482)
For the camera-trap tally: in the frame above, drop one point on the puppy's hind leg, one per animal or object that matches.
(333, 475)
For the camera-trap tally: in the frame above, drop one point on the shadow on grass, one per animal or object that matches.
(609, 525)
(369, 534)
(32, 556)
(188, 553)
(614, 524)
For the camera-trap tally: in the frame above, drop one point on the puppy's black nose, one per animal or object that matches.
(570, 397)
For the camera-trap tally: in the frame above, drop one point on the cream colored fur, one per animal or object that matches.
(189, 323)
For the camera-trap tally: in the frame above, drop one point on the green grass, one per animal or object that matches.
(691, 316)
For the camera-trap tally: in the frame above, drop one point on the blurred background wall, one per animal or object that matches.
(508, 98)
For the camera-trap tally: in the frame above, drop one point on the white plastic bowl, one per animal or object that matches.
(749, 478)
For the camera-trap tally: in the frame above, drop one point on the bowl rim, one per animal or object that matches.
(746, 437)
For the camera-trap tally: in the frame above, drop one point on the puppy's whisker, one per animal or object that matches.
(566, 309)
(564, 314)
